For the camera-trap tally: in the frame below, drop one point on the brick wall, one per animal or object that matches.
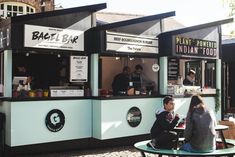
(49, 4)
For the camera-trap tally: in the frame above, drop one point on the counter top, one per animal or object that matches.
(97, 97)
(146, 96)
(189, 95)
(42, 98)
(128, 97)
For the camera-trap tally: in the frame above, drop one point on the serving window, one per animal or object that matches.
(58, 75)
(191, 75)
(111, 68)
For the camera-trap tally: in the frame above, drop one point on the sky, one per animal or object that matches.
(188, 12)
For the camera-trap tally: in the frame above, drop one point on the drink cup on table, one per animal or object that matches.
(182, 121)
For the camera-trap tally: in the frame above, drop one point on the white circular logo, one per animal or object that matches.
(155, 67)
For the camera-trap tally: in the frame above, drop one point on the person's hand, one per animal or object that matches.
(177, 115)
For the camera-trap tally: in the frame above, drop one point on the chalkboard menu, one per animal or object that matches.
(173, 68)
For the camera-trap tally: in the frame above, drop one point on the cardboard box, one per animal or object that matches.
(230, 133)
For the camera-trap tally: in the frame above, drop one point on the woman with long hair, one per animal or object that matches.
(200, 133)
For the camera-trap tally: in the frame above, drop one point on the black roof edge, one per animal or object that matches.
(196, 27)
(134, 21)
(91, 8)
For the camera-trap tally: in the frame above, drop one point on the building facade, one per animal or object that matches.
(9, 8)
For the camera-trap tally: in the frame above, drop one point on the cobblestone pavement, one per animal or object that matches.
(126, 151)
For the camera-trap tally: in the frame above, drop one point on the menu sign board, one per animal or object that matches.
(53, 38)
(195, 47)
(5, 38)
(131, 43)
(78, 68)
(173, 68)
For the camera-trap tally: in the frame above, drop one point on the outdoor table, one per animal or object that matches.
(143, 148)
(218, 128)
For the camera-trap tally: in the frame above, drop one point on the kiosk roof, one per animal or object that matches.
(88, 8)
(196, 27)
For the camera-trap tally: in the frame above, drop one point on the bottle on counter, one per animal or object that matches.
(137, 91)
(27, 87)
(180, 80)
(130, 90)
(87, 92)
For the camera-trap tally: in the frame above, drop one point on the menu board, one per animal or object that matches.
(78, 68)
(173, 68)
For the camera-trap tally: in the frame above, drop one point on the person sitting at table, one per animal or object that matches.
(162, 133)
(200, 133)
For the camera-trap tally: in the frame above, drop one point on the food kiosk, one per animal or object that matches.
(176, 52)
(116, 45)
(198, 48)
(50, 45)
(62, 91)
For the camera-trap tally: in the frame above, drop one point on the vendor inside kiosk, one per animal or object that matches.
(142, 76)
(187, 75)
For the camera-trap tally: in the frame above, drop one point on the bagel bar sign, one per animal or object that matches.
(53, 38)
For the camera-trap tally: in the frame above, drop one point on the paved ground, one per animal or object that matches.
(126, 151)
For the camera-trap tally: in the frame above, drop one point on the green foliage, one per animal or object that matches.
(217, 100)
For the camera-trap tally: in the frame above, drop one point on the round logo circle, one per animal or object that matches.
(134, 116)
(155, 67)
(55, 120)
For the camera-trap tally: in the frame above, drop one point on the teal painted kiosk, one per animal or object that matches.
(116, 45)
(57, 70)
(166, 58)
(45, 79)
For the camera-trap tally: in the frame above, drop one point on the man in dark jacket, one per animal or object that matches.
(162, 133)
(121, 82)
(190, 78)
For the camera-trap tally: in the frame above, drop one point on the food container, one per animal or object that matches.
(45, 93)
(39, 93)
(32, 94)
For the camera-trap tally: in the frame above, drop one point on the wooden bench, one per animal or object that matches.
(143, 148)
